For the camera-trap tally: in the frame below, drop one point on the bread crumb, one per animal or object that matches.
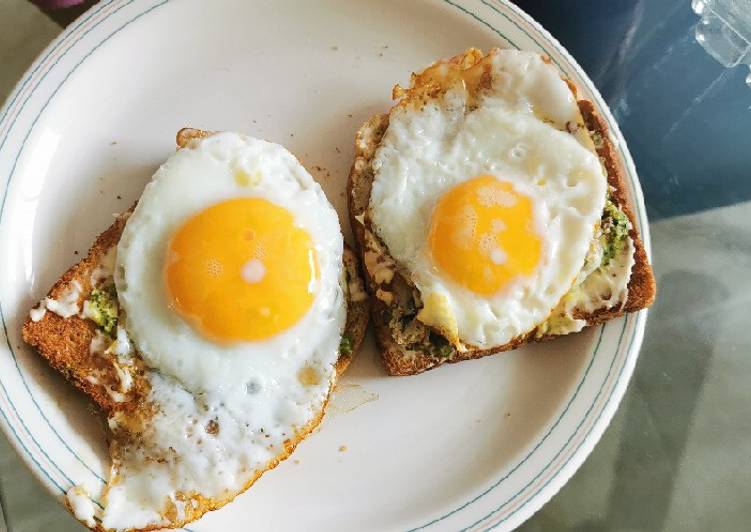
(113, 143)
(335, 48)
(342, 448)
(295, 461)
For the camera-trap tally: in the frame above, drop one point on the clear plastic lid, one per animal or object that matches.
(725, 30)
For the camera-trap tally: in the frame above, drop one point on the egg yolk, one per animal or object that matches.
(241, 270)
(481, 234)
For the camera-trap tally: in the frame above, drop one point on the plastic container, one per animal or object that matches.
(725, 30)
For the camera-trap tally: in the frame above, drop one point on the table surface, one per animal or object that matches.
(677, 455)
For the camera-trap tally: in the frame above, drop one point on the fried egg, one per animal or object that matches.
(487, 191)
(229, 274)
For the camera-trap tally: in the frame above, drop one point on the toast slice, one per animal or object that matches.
(408, 346)
(66, 343)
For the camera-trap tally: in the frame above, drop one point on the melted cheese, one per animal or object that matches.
(102, 273)
(603, 288)
(65, 306)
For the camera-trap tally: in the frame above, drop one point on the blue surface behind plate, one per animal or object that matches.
(687, 120)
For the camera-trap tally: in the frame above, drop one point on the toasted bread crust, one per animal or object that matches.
(188, 134)
(641, 285)
(358, 313)
(64, 343)
(398, 360)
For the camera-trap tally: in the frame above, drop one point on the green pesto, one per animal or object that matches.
(615, 228)
(345, 345)
(440, 346)
(103, 308)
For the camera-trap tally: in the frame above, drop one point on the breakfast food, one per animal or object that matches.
(490, 210)
(209, 323)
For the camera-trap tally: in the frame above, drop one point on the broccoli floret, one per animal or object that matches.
(345, 346)
(102, 308)
(615, 228)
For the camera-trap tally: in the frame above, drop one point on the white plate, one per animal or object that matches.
(477, 445)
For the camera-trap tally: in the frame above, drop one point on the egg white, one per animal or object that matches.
(219, 412)
(518, 133)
